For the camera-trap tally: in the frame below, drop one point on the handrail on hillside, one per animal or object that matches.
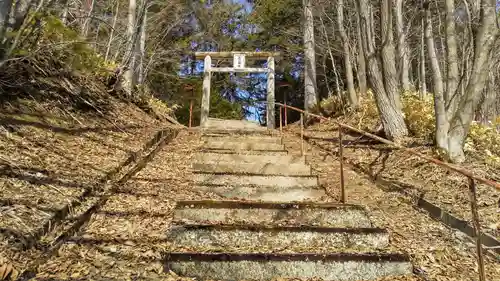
(471, 177)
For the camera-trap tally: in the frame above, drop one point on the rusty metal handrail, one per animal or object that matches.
(448, 166)
(471, 177)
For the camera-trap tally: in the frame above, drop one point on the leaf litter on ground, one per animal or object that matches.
(50, 158)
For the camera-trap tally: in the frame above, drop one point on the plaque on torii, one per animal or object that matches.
(239, 65)
(239, 61)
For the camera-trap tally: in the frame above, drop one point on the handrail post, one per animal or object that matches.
(477, 229)
(190, 113)
(286, 119)
(281, 120)
(301, 134)
(341, 159)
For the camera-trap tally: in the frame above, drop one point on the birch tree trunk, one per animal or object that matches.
(310, 95)
(351, 92)
(390, 115)
(402, 48)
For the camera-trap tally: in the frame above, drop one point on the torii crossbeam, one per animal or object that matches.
(239, 59)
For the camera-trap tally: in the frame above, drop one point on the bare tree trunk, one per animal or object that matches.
(388, 54)
(111, 34)
(487, 107)
(353, 98)
(5, 9)
(361, 60)
(439, 102)
(452, 74)
(142, 48)
(310, 94)
(337, 80)
(390, 115)
(87, 20)
(65, 11)
(486, 35)
(403, 62)
(442, 45)
(330, 93)
(21, 22)
(423, 84)
(21, 9)
(330, 53)
(129, 61)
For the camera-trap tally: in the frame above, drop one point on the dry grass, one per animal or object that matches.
(438, 252)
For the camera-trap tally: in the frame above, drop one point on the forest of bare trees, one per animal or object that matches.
(340, 48)
(405, 46)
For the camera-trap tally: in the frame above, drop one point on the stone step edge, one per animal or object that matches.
(240, 204)
(265, 257)
(208, 184)
(273, 147)
(196, 172)
(294, 228)
(212, 136)
(200, 168)
(237, 131)
(239, 152)
(233, 157)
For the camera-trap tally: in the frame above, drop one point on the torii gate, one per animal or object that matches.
(238, 66)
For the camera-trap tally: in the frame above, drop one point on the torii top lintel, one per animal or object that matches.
(229, 55)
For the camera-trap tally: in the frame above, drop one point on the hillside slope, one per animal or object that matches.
(63, 134)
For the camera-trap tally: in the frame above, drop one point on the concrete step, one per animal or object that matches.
(230, 123)
(227, 157)
(239, 146)
(237, 132)
(271, 213)
(254, 168)
(250, 138)
(249, 266)
(272, 153)
(270, 194)
(309, 239)
(257, 180)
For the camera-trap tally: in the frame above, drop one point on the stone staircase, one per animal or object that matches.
(270, 225)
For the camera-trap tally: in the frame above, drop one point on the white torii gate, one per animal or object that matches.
(238, 66)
